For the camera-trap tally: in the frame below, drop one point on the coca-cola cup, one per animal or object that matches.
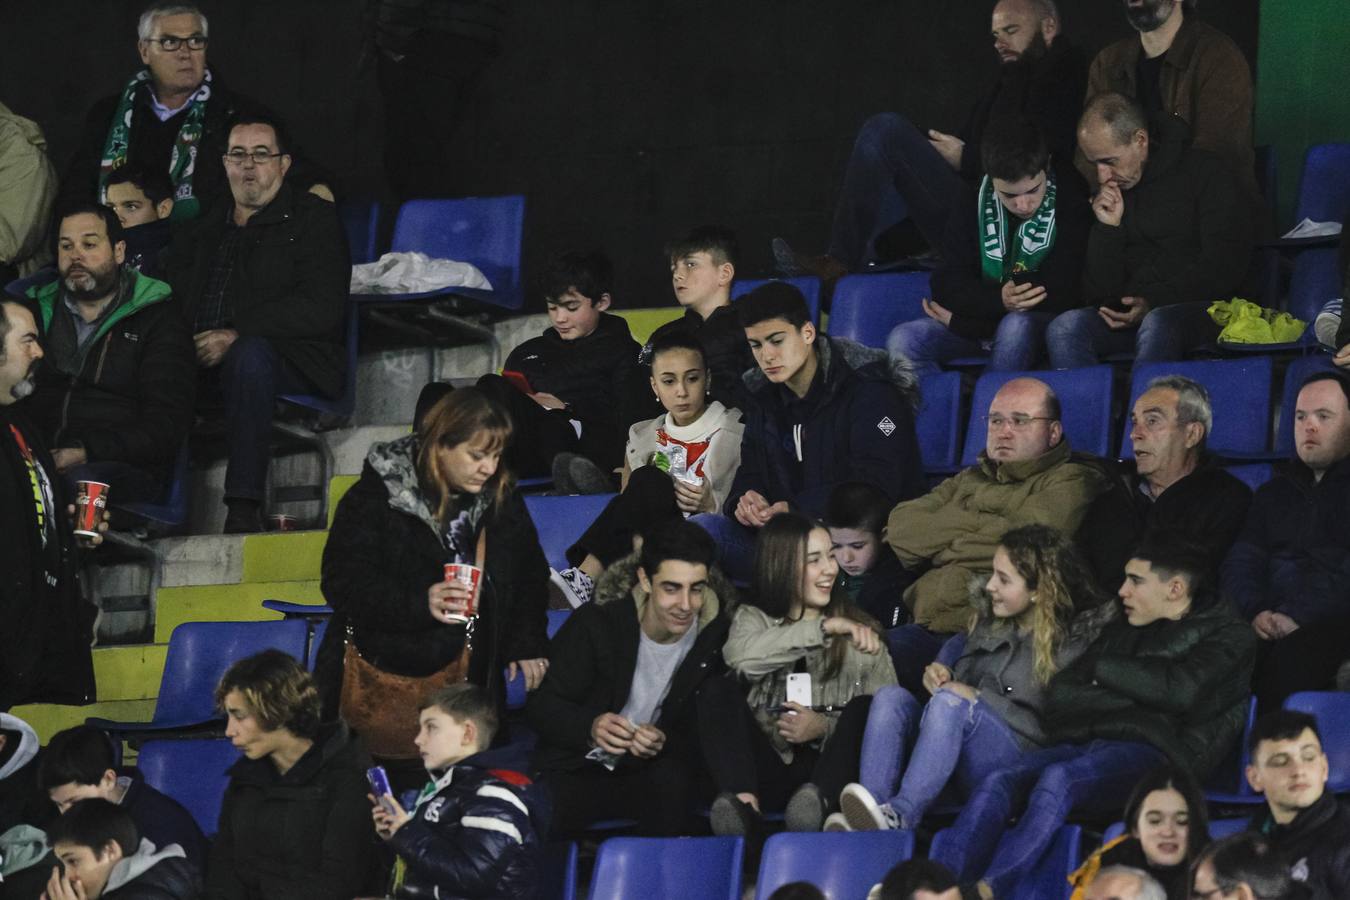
(281, 522)
(470, 576)
(91, 499)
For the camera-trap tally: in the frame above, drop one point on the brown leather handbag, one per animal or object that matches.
(382, 707)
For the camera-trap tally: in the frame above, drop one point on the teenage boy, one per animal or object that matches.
(1168, 680)
(103, 855)
(822, 411)
(470, 833)
(617, 711)
(78, 765)
(142, 199)
(702, 268)
(1010, 268)
(570, 389)
(1303, 821)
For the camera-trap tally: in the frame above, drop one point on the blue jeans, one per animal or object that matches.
(735, 544)
(1080, 337)
(1051, 782)
(251, 375)
(890, 157)
(1019, 343)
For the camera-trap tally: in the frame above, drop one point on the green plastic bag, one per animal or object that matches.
(1244, 322)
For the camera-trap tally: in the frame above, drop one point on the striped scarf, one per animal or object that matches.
(1032, 241)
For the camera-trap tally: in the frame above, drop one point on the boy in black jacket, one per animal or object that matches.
(868, 568)
(103, 855)
(570, 389)
(1012, 258)
(470, 834)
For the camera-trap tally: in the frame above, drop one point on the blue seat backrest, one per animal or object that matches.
(841, 864)
(191, 772)
(200, 652)
(485, 231)
(1084, 398)
(361, 221)
(1324, 186)
(688, 868)
(561, 520)
(866, 307)
(1253, 475)
(1331, 709)
(1239, 394)
(1294, 376)
(939, 422)
(558, 872)
(809, 285)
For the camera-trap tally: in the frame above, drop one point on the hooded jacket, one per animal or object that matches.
(1316, 844)
(131, 398)
(856, 423)
(592, 659)
(386, 548)
(1185, 235)
(150, 874)
(304, 835)
(955, 528)
(1182, 686)
(22, 800)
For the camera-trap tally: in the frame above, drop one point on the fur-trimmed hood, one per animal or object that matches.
(620, 582)
(868, 362)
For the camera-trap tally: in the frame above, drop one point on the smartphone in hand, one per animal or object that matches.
(379, 786)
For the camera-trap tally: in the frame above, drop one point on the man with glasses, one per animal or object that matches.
(263, 282)
(1025, 475)
(1244, 867)
(173, 115)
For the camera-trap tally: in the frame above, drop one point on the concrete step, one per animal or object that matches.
(129, 672)
(47, 719)
(227, 603)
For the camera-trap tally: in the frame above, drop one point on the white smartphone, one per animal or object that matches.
(799, 688)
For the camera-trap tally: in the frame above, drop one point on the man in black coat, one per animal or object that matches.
(1173, 233)
(264, 283)
(1304, 821)
(617, 712)
(1043, 77)
(44, 641)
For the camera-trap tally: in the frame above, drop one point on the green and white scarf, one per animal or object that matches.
(1033, 239)
(183, 159)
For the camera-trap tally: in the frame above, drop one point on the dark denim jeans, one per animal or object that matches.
(1080, 337)
(250, 377)
(1019, 343)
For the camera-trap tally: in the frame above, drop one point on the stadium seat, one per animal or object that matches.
(1218, 828)
(1253, 475)
(561, 520)
(1331, 709)
(515, 688)
(1324, 186)
(558, 872)
(809, 285)
(361, 221)
(939, 421)
(198, 655)
(686, 868)
(1084, 396)
(1049, 878)
(841, 864)
(191, 772)
(171, 510)
(866, 307)
(1294, 376)
(1239, 394)
(1227, 785)
(314, 615)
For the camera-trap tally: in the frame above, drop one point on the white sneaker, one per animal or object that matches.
(575, 585)
(863, 812)
(835, 822)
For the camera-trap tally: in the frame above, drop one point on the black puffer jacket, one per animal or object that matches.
(305, 835)
(474, 838)
(1186, 234)
(1181, 686)
(1316, 844)
(384, 550)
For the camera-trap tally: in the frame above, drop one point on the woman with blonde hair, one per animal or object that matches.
(985, 708)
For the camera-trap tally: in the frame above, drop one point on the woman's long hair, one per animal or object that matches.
(1166, 777)
(780, 563)
(1055, 573)
(463, 415)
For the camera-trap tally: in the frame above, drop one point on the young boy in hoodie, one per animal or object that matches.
(103, 855)
(470, 833)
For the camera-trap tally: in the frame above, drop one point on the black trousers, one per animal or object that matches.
(1306, 660)
(658, 793)
(648, 500)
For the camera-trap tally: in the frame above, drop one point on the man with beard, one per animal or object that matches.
(263, 280)
(44, 625)
(1042, 78)
(115, 402)
(1180, 66)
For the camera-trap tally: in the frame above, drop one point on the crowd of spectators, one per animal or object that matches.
(777, 612)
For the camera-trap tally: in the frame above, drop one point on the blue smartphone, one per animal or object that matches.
(379, 786)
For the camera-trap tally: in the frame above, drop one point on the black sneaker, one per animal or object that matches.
(732, 817)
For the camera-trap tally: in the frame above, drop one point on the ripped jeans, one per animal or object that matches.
(954, 736)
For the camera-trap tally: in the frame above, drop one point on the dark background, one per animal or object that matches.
(625, 123)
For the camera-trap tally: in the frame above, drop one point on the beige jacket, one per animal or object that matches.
(27, 191)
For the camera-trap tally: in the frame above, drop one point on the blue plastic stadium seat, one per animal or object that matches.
(314, 615)
(1294, 376)
(841, 864)
(1084, 397)
(171, 509)
(1324, 188)
(809, 285)
(558, 871)
(1227, 784)
(939, 421)
(866, 307)
(686, 868)
(515, 688)
(1253, 475)
(191, 772)
(561, 520)
(198, 655)
(361, 221)
(1239, 394)
(1331, 709)
(342, 405)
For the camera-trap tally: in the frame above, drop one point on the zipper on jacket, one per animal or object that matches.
(797, 440)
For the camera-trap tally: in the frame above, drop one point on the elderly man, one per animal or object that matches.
(1289, 571)
(1125, 883)
(263, 283)
(1171, 235)
(44, 644)
(1245, 866)
(1042, 77)
(1175, 484)
(173, 115)
(1025, 475)
(115, 403)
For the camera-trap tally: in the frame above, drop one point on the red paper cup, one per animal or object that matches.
(91, 499)
(470, 577)
(281, 522)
